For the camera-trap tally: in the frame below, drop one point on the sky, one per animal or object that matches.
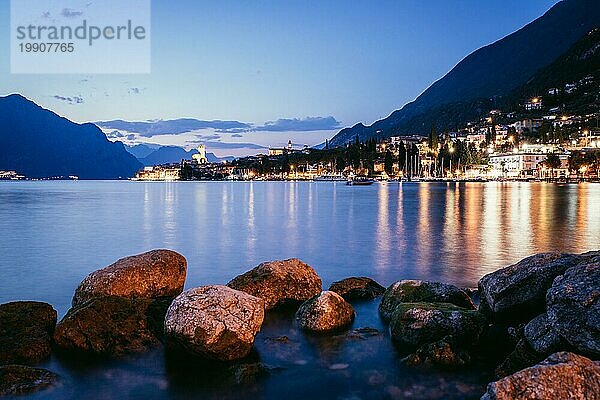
(285, 70)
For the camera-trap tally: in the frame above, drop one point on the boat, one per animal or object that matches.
(359, 181)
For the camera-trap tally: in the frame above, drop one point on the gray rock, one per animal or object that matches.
(413, 291)
(522, 356)
(326, 312)
(541, 337)
(416, 324)
(357, 288)
(574, 307)
(26, 332)
(517, 293)
(279, 282)
(214, 321)
(16, 380)
(111, 326)
(560, 376)
(154, 274)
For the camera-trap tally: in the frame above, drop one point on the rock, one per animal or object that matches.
(573, 304)
(415, 324)
(443, 353)
(357, 288)
(541, 336)
(279, 282)
(18, 380)
(326, 312)
(560, 376)
(111, 326)
(522, 356)
(214, 321)
(411, 291)
(517, 293)
(25, 332)
(154, 274)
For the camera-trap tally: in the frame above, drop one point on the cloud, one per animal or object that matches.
(228, 145)
(46, 14)
(70, 100)
(70, 13)
(308, 124)
(115, 135)
(237, 135)
(135, 90)
(171, 127)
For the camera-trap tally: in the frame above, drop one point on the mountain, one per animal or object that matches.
(487, 74)
(40, 144)
(151, 154)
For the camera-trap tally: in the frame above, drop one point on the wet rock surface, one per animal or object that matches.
(560, 376)
(360, 288)
(279, 282)
(112, 326)
(416, 324)
(26, 332)
(214, 321)
(518, 292)
(154, 274)
(326, 312)
(445, 353)
(414, 291)
(16, 380)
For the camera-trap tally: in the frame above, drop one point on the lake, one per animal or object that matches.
(54, 233)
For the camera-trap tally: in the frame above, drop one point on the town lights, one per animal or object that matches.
(564, 118)
(451, 150)
(535, 100)
(511, 139)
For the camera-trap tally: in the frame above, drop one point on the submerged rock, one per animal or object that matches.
(154, 274)
(25, 332)
(574, 307)
(518, 292)
(357, 288)
(16, 380)
(413, 291)
(279, 282)
(415, 324)
(214, 321)
(111, 326)
(443, 353)
(560, 376)
(326, 312)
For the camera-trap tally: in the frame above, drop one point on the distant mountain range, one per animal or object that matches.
(487, 75)
(40, 144)
(152, 154)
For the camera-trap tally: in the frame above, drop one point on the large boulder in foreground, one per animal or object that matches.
(17, 380)
(573, 304)
(25, 332)
(279, 282)
(112, 326)
(518, 292)
(214, 321)
(326, 312)
(560, 376)
(540, 335)
(154, 274)
(361, 288)
(415, 324)
(414, 291)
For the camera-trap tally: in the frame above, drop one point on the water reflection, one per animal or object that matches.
(438, 231)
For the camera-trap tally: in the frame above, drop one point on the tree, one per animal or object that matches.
(552, 162)
(433, 139)
(401, 156)
(388, 162)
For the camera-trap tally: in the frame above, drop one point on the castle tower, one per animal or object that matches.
(200, 157)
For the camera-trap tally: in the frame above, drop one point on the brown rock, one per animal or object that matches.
(25, 332)
(111, 326)
(18, 380)
(326, 312)
(214, 321)
(154, 274)
(560, 376)
(279, 282)
(357, 288)
(443, 353)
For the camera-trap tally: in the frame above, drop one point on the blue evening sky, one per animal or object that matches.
(260, 61)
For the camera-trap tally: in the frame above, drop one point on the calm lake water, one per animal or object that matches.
(54, 233)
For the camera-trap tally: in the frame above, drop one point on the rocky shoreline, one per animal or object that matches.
(537, 321)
